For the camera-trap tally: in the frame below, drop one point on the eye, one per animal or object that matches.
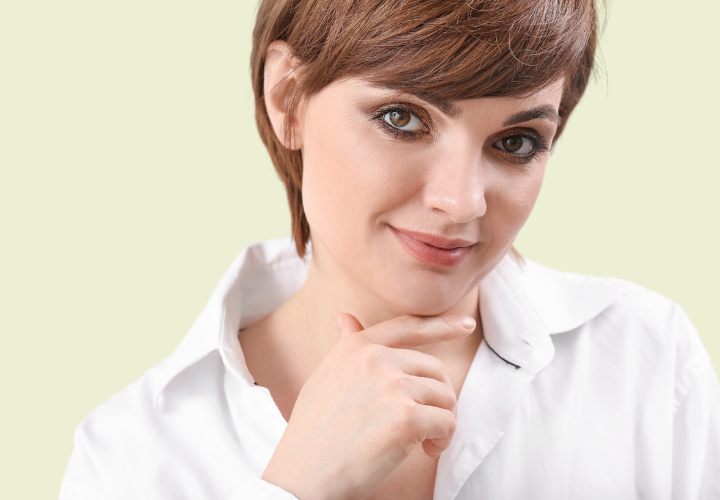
(402, 121)
(521, 148)
(401, 118)
(520, 145)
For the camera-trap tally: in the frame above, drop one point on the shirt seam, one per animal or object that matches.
(692, 379)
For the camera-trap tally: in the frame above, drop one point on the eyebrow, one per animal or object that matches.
(544, 111)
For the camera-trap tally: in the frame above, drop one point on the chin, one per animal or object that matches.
(411, 297)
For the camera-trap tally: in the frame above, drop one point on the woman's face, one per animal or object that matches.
(375, 160)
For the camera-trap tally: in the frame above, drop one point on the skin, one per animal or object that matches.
(455, 180)
(466, 175)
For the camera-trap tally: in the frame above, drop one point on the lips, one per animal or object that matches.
(431, 254)
(436, 241)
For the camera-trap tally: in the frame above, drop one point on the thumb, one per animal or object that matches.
(349, 323)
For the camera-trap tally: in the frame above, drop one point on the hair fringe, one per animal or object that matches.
(452, 50)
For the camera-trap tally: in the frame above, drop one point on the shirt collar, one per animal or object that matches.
(521, 305)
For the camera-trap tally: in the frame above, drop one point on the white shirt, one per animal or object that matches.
(583, 388)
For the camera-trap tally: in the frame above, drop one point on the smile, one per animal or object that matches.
(430, 254)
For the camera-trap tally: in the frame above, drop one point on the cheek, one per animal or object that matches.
(327, 168)
(512, 201)
(349, 178)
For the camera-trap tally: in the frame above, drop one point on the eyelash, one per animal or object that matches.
(540, 146)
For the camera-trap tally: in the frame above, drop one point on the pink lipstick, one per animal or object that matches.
(433, 249)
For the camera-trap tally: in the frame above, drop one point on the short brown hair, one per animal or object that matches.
(452, 50)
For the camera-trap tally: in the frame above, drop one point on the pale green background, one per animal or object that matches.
(132, 174)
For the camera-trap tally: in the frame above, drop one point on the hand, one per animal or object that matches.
(368, 404)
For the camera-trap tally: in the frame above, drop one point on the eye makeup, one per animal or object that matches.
(540, 145)
(398, 133)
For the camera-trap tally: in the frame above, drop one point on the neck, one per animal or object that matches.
(307, 322)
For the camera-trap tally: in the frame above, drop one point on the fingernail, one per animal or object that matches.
(468, 323)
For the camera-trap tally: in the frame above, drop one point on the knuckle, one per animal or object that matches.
(372, 355)
(406, 414)
(351, 348)
(448, 399)
(356, 342)
(452, 423)
(452, 397)
(438, 365)
(400, 384)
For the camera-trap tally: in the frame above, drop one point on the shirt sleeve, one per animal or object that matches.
(81, 479)
(696, 438)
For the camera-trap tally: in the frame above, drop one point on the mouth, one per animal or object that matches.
(448, 253)
(436, 240)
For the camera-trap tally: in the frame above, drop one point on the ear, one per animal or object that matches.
(280, 79)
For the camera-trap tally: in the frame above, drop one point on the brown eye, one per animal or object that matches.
(513, 143)
(399, 118)
(516, 144)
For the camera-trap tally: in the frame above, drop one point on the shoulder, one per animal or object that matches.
(658, 319)
(126, 415)
(640, 332)
(127, 444)
(645, 310)
(129, 424)
(617, 302)
(109, 440)
(134, 413)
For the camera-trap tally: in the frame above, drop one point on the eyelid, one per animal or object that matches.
(540, 143)
(425, 118)
(418, 111)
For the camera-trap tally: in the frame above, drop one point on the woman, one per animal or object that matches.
(412, 139)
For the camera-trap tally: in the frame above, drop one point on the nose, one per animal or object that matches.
(457, 186)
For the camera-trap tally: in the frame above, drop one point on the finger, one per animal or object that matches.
(434, 447)
(431, 422)
(349, 323)
(419, 364)
(428, 391)
(410, 331)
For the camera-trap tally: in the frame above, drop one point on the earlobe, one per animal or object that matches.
(280, 80)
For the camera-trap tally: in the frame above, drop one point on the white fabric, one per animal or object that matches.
(584, 387)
